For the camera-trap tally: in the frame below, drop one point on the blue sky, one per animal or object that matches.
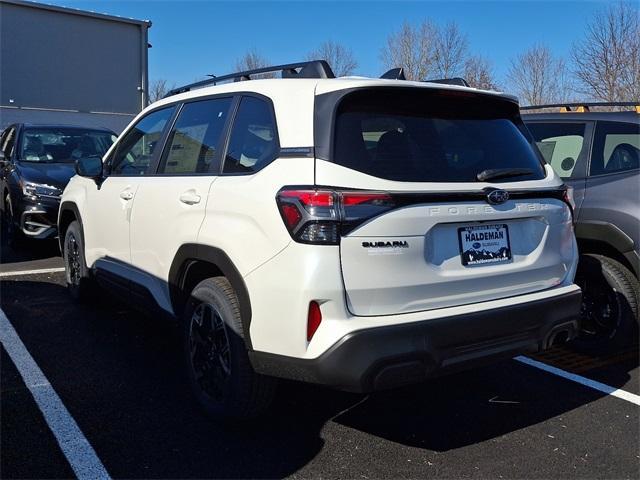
(193, 38)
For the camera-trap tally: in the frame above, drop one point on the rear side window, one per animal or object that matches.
(562, 145)
(253, 143)
(616, 148)
(194, 142)
(431, 136)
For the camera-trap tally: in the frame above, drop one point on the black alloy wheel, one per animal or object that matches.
(609, 310)
(209, 351)
(73, 261)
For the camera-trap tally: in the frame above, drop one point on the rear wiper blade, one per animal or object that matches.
(493, 173)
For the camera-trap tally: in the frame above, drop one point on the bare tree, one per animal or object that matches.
(451, 50)
(537, 77)
(478, 72)
(413, 49)
(252, 60)
(340, 58)
(606, 61)
(158, 89)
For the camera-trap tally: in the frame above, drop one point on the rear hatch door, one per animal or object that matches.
(472, 212)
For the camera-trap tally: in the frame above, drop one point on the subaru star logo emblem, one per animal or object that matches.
(496, 197)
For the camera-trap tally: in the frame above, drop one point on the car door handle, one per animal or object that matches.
(190, 198)
(126, 195)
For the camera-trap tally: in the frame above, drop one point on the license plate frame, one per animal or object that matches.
(486, 244)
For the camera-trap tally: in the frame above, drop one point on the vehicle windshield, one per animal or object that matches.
(63, 145)
(433, 136)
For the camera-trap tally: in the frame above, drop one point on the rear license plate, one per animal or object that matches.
(484, 244)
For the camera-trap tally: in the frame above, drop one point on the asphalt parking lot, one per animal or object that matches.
(118, 373)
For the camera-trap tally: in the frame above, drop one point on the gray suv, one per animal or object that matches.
(598, 154)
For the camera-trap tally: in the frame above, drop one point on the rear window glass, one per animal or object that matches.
(431, 136)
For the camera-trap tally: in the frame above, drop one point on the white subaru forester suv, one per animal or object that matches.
(352, 232)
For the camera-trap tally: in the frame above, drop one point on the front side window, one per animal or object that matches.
(63, 144)
(420, 135)
(135, 151)
(562, 145)
(253, 143)
(194, 142)
(616, 148)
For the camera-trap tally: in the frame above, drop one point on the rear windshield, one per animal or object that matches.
(431, 136)
(63, 145)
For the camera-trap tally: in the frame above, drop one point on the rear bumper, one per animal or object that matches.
(396, 355)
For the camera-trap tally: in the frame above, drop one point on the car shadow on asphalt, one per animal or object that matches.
(120, 375)
(29, 250)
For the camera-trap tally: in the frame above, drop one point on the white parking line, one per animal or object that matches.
(615, 392)
(76, 448)
(31, 272)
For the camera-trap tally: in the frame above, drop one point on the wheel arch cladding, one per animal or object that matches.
(192, 264)
(68, 213)
(607, 239)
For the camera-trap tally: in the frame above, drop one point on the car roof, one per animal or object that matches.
(276, 87)
(293, 99)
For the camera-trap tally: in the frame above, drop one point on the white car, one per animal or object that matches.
(352, 232)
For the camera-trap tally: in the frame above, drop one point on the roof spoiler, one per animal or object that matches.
(398, 74)
(459, 81)
(311, 69)
(394, 74)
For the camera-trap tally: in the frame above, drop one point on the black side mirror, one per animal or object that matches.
(90, 167)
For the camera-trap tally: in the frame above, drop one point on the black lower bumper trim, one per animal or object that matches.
(396, 355)
(38, 220)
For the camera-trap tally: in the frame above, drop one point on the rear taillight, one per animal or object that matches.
(320, 216)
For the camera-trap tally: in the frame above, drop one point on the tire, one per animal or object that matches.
(610, 305)
(15, 238)
(218, 368)
(79, 282)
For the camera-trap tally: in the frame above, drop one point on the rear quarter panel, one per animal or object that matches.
(614, 198)
(242, 217)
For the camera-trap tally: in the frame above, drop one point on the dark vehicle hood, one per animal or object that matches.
(54, 174)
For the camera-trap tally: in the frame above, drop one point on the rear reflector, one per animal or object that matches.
(313, 319)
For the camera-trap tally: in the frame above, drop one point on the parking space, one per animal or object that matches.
(44, 255)
(118, 373)
(26, 431)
